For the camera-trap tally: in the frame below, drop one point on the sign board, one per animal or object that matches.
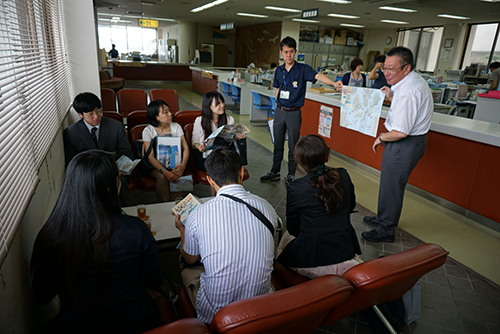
(148, 23)
(310, 13)
(227, 26)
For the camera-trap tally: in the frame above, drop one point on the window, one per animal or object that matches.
(34, 99)
(128, 39)
(424, 43)
(483, 39)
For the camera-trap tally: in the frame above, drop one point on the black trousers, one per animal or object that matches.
(283, 121)
(399, 159)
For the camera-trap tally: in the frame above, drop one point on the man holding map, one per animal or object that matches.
(408, 122)
(290, 82)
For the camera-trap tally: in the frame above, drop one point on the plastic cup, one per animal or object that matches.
(141, 211)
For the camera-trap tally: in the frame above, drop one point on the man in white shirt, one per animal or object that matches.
(235, 247)
(408, 122)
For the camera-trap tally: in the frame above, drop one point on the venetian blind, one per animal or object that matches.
(34, 99)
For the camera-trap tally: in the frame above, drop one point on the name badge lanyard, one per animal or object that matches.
(284, 79)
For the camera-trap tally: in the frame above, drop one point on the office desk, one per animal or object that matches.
(162, 220)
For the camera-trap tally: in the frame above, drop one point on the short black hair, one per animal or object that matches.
(355, 63)
(223, 166)
(86, 102)
(380, 59)
(154, 110)
(288, 41)
(405, 55)
(495, 65)
(273, 65)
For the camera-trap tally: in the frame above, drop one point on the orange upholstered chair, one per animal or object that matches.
(108, 99)
(299, 309)
(377, 281)
(183, 326)
(130, 100)
(144, 182)
(137, 117)
(167, 95)
(185, 117)
(113, 115)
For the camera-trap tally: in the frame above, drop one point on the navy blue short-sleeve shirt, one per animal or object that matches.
(294, 82)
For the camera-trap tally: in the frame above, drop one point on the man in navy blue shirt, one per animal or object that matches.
(290, 80)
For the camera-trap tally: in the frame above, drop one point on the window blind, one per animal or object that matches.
(34, 99)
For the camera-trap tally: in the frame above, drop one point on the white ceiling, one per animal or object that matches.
(370, 15)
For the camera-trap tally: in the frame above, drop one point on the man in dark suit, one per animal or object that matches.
(95, 132)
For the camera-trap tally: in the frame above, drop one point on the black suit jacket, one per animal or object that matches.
(322, 238)
(112, 138)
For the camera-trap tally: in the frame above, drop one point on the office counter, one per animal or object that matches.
(460, 164)
(206, 78)
(151, 70)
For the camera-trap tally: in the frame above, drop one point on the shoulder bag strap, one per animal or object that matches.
(151, 144)
(255, 211)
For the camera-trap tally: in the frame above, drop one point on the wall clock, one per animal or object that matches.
(388, 40)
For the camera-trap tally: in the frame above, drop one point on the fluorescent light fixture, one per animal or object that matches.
(352, 25)
(394, 22)
(208, 5)
(491, 0)
(145, 3)
(341, 2)
(137, 17)
(344, 16)
(397, 9)
(456, 17)
(252, 15)
(291, 10)
(306, 21)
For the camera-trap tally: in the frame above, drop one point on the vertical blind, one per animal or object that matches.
(34, 99)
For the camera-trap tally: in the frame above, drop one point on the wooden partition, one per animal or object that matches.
(462, 171)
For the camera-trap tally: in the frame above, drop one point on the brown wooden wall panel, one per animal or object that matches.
(485, 195)
(162, 72)
(450, 167)
(258, 44)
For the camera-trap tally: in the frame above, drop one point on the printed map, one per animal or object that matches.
(360, 109)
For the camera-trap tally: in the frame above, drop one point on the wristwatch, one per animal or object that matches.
(380, 137)
(161, 170)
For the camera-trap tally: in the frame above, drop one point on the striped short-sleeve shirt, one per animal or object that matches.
(235, 247)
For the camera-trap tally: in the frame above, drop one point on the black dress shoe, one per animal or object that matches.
(373, 236)
(372, 221)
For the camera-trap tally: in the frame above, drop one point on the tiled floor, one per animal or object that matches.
(455, 299)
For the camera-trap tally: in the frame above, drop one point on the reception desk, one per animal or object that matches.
(460, 164)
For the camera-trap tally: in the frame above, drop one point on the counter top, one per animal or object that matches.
(149, 62)
(479, 131)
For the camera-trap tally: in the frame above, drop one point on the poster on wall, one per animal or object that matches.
(325, 121)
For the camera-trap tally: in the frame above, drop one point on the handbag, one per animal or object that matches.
(144, 166)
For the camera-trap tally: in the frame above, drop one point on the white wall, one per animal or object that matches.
(19, 313)
(375, 41)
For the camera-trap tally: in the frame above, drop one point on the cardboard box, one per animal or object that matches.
(321, 90)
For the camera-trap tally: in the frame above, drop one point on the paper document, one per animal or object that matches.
(360, 109)
(126, 165)
(184, 207)
(185, 184)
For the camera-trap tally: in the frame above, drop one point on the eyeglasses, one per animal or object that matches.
(97, 112)
(392, 70)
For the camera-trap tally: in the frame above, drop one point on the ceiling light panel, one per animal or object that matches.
(394, 22)
(306, 21)
(341, 2)
(397, 9)
(352, 25)
(290, 10)
(455, 17)
(343, 16)
(252, 15)
(207, 6)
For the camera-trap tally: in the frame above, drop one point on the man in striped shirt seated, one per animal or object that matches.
(235, 247)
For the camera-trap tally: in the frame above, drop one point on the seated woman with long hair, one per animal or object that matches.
(160, 124)
(320, 239)
(212, 117)
(96, 259)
